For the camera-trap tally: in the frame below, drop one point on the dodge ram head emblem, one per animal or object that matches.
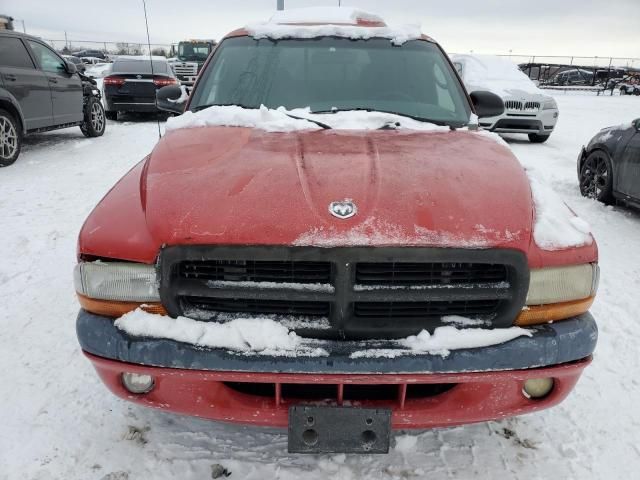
(343, 209)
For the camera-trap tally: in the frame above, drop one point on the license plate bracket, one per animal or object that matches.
(329, 429)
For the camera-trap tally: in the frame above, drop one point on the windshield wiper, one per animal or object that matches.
(320, 124)
(413, 117)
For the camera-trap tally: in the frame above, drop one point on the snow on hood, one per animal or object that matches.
(278, 120)
(330, 21)
(268, 337)
(556, 226)
(496, 74)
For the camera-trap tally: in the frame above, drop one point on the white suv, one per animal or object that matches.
(526, 108)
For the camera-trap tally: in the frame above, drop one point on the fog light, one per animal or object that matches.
(537, 387)
(137, 383)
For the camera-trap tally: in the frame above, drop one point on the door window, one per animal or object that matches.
(49, 61)
(13, 53)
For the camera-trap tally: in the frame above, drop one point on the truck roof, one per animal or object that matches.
(342, 22)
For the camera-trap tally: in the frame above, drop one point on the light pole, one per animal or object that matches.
(280, 5)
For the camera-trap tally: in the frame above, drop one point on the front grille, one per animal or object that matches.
(477, 309)
(256, 307)
(392, 274)
(518, 106)
(346, 292)
(257, 271)
(339, 393)
(185, 68)
(512, 105)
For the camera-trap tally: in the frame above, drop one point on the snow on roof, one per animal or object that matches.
(278, 120)
(332, 15)
(497, 74)
(331, 22)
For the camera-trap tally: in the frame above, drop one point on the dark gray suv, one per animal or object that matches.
(41, 91)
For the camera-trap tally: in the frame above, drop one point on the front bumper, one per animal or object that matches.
(541, 123)
(422, 390)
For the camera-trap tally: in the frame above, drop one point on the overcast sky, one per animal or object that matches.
(541, 27)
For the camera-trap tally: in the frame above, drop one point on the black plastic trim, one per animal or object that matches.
(551, 344)
(344, 324)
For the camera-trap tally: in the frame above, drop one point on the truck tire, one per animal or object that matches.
(94, 118)
(10, 138)
(536, 138)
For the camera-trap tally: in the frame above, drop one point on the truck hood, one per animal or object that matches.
(224, 185)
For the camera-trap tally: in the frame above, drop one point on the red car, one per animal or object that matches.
(356, 238)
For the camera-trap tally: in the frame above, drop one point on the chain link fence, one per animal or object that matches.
(67, 46)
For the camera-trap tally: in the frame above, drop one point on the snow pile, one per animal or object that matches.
(363, 120)
(332, 15)
(496, 74)
(260, 335)
(556, 227)
(445, 339)
(330, 22)
(278, 120)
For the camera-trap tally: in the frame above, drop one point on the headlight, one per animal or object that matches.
(557, 293)
(562, 284)
(115, 288)
(549, 104)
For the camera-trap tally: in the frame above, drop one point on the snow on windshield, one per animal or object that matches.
(278, 120)
(496, 74)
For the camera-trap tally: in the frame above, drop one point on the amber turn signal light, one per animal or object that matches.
(537, 314)
(113, 308)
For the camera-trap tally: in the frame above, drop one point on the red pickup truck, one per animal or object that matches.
(356, 237)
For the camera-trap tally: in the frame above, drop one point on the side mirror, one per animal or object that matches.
(172, 98)
(70, 67)
(487, 104)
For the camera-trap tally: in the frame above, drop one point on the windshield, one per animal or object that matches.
(193, 51)
(330, 73)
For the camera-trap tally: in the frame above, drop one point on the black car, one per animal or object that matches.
(131, 84)
(90, 53)
(41, 91)
(609, 166)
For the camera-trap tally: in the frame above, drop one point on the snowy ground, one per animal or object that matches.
(57, 421)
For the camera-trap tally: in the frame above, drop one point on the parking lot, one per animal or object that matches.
(58, 420)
